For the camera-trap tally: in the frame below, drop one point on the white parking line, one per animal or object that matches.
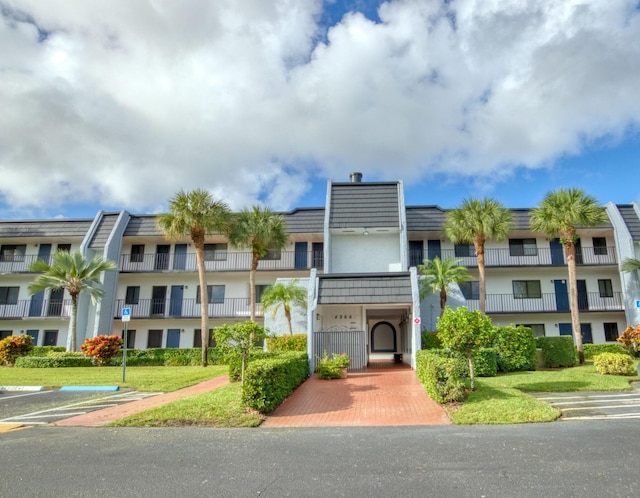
(27, 394)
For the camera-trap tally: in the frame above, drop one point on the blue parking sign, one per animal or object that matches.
(126, 314)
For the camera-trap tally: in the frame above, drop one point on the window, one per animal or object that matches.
(64, 247)
(470, 290)
(137, 253)
(600, 246)
(131, 339)
(536, 328)
(197, 339)
(526, 289)
(464, 250)
(610, 331)
(523, 247)
(259, 291)
(215, 294)
(50, 338)
(9, 295)
(12, 253)
(154, 340)
(272, 254)
(215, 252)
(605, 288)
(5, 333)
(133, 295)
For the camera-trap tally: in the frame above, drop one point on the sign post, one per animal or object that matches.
(126, 316)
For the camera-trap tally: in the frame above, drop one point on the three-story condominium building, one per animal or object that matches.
(356, 257)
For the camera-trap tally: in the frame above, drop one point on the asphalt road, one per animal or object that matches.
(575, 458)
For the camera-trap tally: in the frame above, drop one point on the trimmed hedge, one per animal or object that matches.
(591, 350)
(485, 362)
(441, 376)
(268, 381)
(515, 348)
(430, 340)
(557, 351)
(296, 342)
(613, 364)
(235, 362)
(167, 356)
(52, 362)
(45, 350)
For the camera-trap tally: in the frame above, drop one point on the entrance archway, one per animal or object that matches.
(383, 338)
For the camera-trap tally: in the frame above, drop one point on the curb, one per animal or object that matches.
(89, 388)
(21, 388)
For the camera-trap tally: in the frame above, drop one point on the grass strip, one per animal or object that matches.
(139, 378)
(218, 408)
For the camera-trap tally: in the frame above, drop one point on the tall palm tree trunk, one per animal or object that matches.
(204, 303)
(287, 314)
(252, 283)
(73, 324)
(482, 284)
(570, 254)
(443, 299)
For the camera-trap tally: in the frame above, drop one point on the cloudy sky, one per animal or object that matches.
(119, 104)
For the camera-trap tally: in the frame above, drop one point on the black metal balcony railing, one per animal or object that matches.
(237, 307)
(218, 261)
(548, 302)
(539, 257)
(36, 308)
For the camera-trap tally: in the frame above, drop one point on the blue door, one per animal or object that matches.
(34, 336)
(44, 252)
(433, 249)
(585, 331)
(175, 303)
(416, 252)
(301, 256)
(562, 296)
(565, 329)
(173, 338)
(557, 252)
(35, 306)
(583, 301)
(180, 257)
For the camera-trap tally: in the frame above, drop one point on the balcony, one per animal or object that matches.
(541, 257)
(35, 308)
(547, 303)
(220, 261)
(19, 263)
(238, 307)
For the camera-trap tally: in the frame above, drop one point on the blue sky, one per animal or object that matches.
(117, 105)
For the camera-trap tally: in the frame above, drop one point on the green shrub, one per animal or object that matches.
(49, 362)
(430, 340)
(613, 364)
(331, 367)
(64, 354)
(268, 381)
(486, 362)
(441, 376)
(167, 356)
(515, 348)
(45, 350)
(557, 351)
(235, 362)
(296, 342)
(630, 340)
(590, 350)
(14, 346)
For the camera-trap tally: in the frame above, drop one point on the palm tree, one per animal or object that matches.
(286, 295)
(559, 215)
(196, 214)
(440, 275)
(260, 230)
(630, 264)
(475, 222)
(73, 273)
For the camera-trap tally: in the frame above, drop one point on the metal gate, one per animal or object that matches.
(352, 342)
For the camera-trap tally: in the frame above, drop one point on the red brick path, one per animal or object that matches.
(375, 397)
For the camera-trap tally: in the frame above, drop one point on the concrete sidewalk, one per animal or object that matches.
(99, 418)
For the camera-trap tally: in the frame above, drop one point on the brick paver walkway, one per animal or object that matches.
(374, 397)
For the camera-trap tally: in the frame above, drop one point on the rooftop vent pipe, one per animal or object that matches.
(355, 177)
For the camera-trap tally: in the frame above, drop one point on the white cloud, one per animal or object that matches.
(123, 103)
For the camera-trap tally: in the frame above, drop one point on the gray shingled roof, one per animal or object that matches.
(144, 226)
(105, 228)
(364, 289)
(305, 220)
(370, 204)
(631, 220)
(425, 218)
(45, 228)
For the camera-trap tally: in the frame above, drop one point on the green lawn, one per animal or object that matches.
(138, 378)
(218, 408)
(504, 399)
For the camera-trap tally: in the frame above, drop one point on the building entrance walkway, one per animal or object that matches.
(380, 395)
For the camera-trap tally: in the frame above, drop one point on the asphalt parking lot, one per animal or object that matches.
(49, 405)
(594, 405)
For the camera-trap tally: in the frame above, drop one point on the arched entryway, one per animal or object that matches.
(384, 338)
